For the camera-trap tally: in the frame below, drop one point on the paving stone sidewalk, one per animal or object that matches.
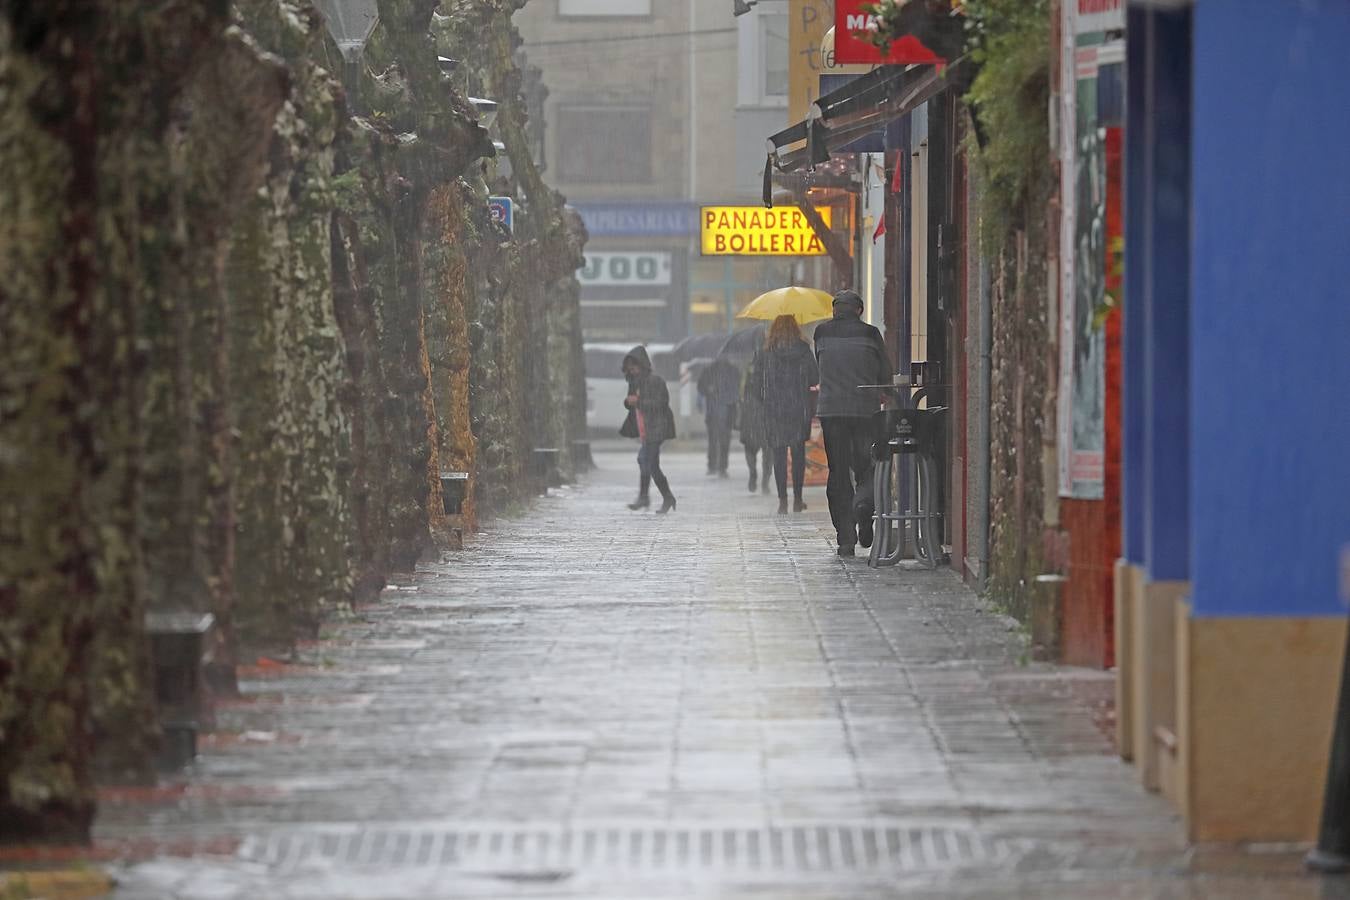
(591, 702)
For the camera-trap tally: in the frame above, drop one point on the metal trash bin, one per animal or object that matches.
(904, 486)
(454, 488)
(177, 652)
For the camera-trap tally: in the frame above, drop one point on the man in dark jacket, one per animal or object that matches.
(720, 386)
(651, 421)
(850, 353)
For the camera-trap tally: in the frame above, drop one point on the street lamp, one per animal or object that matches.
(351, 23)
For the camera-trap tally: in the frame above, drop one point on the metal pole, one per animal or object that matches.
(1332, 854)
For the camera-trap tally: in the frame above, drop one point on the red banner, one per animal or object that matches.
(853, 27)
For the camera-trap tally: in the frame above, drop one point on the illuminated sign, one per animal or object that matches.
(756, 231)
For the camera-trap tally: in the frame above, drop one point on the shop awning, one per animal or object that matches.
(863, 106)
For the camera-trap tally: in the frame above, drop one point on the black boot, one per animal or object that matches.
(754, 479)
(642, 502)
(798, 505)
(782, 506)
(662, 485)
(865, 531)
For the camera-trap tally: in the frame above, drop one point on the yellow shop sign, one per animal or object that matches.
(756, 231)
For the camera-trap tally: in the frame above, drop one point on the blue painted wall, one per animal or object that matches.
(1156, 502)
(1133, 483)
(1270, 302)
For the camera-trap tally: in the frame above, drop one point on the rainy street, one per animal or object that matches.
(715, 449)
(592, 702)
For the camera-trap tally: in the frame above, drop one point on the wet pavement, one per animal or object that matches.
(591, 702)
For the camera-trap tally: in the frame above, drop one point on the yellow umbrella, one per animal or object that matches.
(806, 305)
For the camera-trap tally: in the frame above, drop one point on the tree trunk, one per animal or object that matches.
(86, 91)
(294, 531)
(448, 339)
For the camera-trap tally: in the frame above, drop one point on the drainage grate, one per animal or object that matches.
(523, 849)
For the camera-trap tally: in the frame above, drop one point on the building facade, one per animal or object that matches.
(656, 108)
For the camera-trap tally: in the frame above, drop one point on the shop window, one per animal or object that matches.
(621, 320)
(604, 144)
(604, 7)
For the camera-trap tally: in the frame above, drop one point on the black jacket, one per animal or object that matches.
(720, 383)
(850, 352)
(653, 401)
(785, 376)
(751, 421)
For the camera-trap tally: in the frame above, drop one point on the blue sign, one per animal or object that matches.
(500, 210)
(654, 219)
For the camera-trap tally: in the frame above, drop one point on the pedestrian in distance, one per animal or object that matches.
(786, 373)
(720, 386)
(650, 420)
(751, 424)
(850, 353)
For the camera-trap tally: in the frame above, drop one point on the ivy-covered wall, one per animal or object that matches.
(1009, 43)
(253, 304)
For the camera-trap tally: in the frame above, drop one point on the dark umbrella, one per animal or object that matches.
(698, 346)
(743, 344)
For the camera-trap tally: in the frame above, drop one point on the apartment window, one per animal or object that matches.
(762, 55)
(604, 7)
(773, 51)
(604, 144)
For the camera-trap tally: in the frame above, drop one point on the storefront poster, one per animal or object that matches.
(1083, 237)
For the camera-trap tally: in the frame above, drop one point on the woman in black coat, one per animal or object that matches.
(785, 373)
(651, 421)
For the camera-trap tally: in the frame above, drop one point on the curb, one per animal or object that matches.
(54, 884)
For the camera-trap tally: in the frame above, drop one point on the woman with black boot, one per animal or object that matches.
(786, 373)
(651, 421)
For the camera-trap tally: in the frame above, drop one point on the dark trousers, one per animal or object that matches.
(719, 418)
(752, 454)
(798, 469)
(649, 470)
(848, 447)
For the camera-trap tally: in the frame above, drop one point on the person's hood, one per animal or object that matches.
(639, 355)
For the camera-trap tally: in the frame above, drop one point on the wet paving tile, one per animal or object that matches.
(589, 702)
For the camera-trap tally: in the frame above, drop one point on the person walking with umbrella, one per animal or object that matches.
(804, 305)
(786, 373)
(850, 353)
(651, 421)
